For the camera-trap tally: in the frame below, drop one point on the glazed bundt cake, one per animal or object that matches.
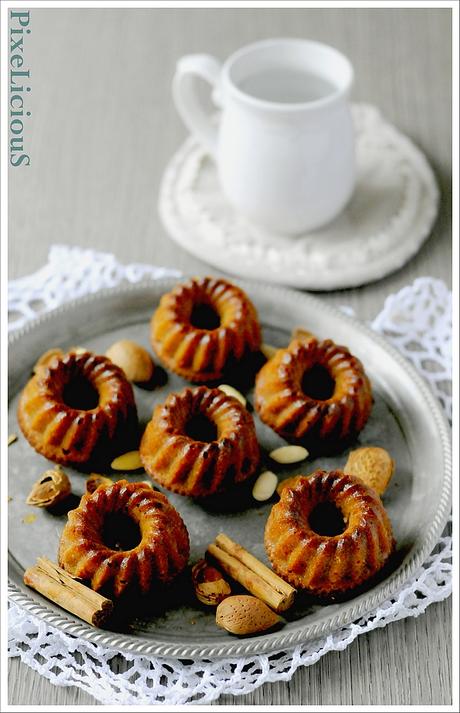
(328, 534)
(124, 536)
(202, 326)
(199, 442)
(77, 408)
(315, 393)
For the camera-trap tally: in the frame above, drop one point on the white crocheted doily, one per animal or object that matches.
(390, 214)
(417, 320)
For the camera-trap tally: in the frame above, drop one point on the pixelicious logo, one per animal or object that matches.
(19, 87)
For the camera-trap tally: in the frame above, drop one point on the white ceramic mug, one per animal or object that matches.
(284, 146)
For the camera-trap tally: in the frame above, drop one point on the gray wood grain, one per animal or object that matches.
(101, 132)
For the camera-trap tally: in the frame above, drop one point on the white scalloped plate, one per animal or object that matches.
(406, 419)
(387, 220)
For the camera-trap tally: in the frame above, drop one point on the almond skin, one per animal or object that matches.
(243, 614)
(210, 586)
(50, 489)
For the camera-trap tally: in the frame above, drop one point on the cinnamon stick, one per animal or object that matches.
(73, 596)
(251, 573)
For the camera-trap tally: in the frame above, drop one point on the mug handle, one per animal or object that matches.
(197, 120)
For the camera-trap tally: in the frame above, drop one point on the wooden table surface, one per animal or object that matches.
(101, 132)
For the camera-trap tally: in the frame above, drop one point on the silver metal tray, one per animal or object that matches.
(406, 419)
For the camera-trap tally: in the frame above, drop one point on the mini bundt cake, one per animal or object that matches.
(328, 534)
(202, 326)
(200, 442)
(77, 408)
(314, 393)
(124, 536)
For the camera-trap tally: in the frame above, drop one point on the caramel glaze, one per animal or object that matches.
(328, 565)
(199, 354)
(321, 425)
(194, 467)
(72, 435)
(160, 556)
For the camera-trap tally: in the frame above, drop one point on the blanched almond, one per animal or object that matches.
(371, 464)
(265, 486)
(12, 438)
(128, 461)
(50, 489)
(135, 361)
(243, 614)
(289, 454)
(210, 586)
(231, 391)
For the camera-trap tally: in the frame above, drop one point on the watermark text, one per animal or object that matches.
(19, 76)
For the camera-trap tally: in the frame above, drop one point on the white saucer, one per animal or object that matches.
(389, 216)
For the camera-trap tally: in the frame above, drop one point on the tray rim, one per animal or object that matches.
(276, 641)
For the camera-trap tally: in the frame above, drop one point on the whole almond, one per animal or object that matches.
(289, 454)
(372, 465)
(243, 614)
(135, 361)
(231, 391)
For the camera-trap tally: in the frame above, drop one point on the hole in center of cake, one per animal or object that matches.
(120, 532)
(318, 383)
(80, 394)
(204, 317)
(326, 519)
(200, 428)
